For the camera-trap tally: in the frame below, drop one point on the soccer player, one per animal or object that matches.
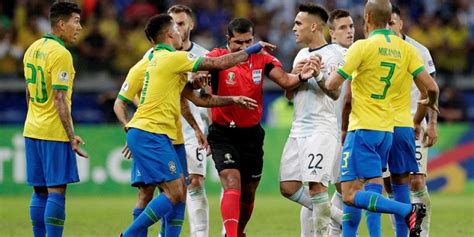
(341, 30)
(50, 142)
(235, 136)
(196, 200)
(310, 150)
(400, 189)
(380, 66)
(153, 126)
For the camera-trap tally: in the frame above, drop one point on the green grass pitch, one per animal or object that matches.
(273, 216)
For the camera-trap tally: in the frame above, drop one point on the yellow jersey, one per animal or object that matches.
(381, 67)
(165, 77)
(47, 66)
(133, 85)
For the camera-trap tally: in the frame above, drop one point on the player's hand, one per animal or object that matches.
(418, 131)
(75, 146)
(126, 152)
(245, 102)
(428, 103)
(200, 80)
(431, 135)
(202, 140)
(267, 46)
(311, 68)
(299, 66)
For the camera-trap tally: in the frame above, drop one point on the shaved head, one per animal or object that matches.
(379, 12)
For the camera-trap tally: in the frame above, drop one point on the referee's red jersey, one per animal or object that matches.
(245, 79)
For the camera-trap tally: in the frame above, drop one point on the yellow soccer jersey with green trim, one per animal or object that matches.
(381, 65)
(165, 77)
(402, 102)
(47, 66)
(133, 85)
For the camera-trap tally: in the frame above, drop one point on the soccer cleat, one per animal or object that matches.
(415, 218)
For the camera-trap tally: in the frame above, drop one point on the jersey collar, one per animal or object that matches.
(381, 32)
(53, 37)
(164, 47)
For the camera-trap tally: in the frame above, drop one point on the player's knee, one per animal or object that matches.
(285, 191)
(348, 198)
(145, 194)
(417, 182)
(195, 181)
(230, 180)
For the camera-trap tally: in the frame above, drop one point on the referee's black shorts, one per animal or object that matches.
(238, 148)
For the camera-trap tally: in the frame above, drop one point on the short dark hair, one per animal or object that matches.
(156, 25)
(396, 10)
(314, 9)
(181, 8)
(240, 25)
(336, 14)
(62, 11)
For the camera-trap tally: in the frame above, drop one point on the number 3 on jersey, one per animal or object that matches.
(32, 80)
(344, 159)
(386, 79)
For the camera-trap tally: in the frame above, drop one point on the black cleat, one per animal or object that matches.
(414, 219)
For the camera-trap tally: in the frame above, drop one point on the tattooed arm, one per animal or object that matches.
(66, 120)
(209, 100)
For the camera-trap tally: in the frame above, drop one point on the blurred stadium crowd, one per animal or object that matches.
(112, 39)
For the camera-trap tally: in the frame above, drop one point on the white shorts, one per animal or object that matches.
(309, 159)
(336, 166)
(196, 159)
(421, 157)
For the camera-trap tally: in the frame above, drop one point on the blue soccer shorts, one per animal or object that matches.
(402, 156)
(364, 154)
(154, 158)
(50, 163)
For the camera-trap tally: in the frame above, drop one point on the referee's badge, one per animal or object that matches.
(257, 76)
(230, 79)
(172, 167)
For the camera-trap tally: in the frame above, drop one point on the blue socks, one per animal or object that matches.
(377, 203)
(350, 220)
(401, 193)
(54, 214)
(373, 220)
(174, 220)
(136, 213)
(37, 207)
(156, 209)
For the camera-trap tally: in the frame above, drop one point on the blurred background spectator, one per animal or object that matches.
(113, 40)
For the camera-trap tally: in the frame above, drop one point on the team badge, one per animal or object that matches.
(124, 87)
(230, 79)
(228, 159)
(172, 167)
(63, 76)
(257, 76)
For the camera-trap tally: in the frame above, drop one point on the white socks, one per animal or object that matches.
(198, 212)
(336, 215)
(422, 196)
(321, 213)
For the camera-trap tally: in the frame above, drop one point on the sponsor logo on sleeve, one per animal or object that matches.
(63, 76)
(192, 57)
(124, 87)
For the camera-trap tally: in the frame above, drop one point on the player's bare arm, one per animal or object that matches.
(65, 116)
(231, 59)
(334, 81)
(290, 94)
(120, 109)
(27, 97)
(420, 110)
(188, 116)
(209, 100)
(289, 81)
(432, 90)
(346, 111)
(333, 94)
(431, 134)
